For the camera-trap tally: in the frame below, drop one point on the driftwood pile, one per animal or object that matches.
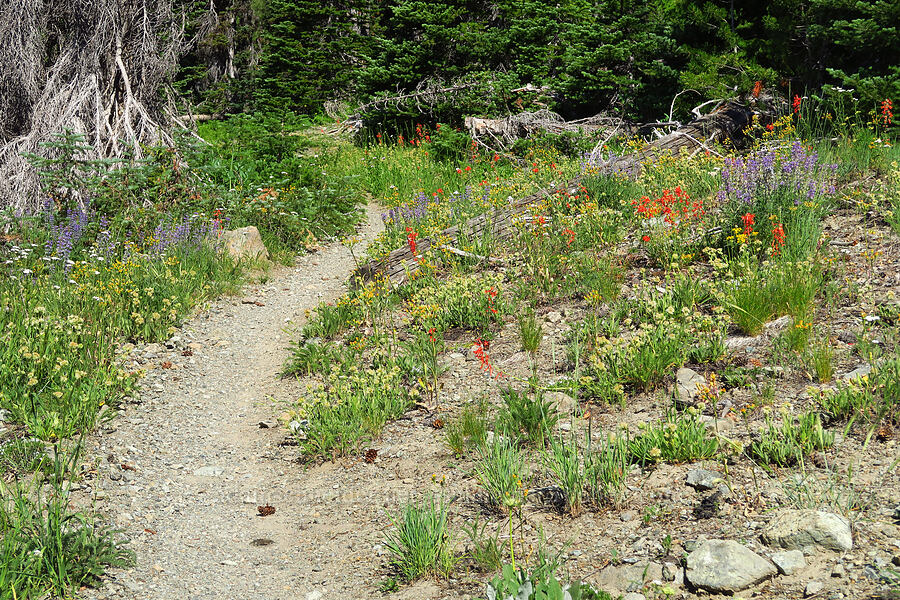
(724, 124)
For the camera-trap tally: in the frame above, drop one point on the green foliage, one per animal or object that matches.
(351, 409)
(873, 398)
(47, 548)
(791, 441)
(679, 438)
(421, 541)
(468, 430)
(502, 471)
(513, 583)
(526, 415)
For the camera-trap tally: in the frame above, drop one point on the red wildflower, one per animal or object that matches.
(778, 239)
(411, 236)
(887, 111)
(770, 127)
(570, 234)
(757, 89)
(491, 294)
(796, 103)
(645, 239)
(480, 352)
(748, 223)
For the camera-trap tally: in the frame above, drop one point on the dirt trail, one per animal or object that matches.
(183, 471)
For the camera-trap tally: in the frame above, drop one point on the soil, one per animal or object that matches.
(187, 470)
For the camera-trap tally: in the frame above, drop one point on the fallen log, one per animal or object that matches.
(725, 123)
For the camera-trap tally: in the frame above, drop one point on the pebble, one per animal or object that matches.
(813, 588)
(209, 471)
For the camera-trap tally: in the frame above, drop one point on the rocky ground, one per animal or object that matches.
(187, 470)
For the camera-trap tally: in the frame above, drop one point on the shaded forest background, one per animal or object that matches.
(629, 58)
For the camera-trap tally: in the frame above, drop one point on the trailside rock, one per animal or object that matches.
(726, 566)
(687, 382)
(244, 243)
(789, 561)
(797, 529)
(703, 479)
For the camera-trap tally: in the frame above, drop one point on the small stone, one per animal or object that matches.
(703, 479)
(670, 571)
(813, 588)
(796, 529)
(789, 561)
(838, 570)
(857, 373)
(725, 566)
(634, 596)
(687, 382)
(314, 595)
(554, 316)
(209, 471)
(626, 516)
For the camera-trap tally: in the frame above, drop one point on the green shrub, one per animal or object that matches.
(873, 398)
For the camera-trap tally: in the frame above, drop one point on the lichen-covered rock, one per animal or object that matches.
(797, 529)
(725, 566)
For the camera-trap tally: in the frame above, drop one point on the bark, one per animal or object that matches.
(99, 68)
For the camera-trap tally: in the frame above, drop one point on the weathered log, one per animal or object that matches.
(725, 123)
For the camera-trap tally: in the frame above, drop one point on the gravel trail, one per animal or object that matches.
(183, 470)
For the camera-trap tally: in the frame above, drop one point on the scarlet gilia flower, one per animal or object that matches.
(480, 352)
(748, 223)
(571, 236)
(411, 236)
(778, 239)
(645, 239)
(491, 294)
(796, 103)
(887, 111)
(757, 89)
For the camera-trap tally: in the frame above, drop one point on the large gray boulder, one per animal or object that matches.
(798, 529)
(725, 566)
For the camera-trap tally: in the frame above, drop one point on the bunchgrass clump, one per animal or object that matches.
(565, 461)
(503, 473)
(48, 548)
(468, 430)
(421, 542)
(680, 438)
(531, 332)
(527, 416)
(606, 468)
(789, 442)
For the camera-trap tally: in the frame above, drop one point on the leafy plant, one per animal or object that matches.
(527, 415)
(502, 471)
(680, 437)
(791, 441)
(519, 584)
(872, 398)
(468, 430)
(487, 551)
(421, 541)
